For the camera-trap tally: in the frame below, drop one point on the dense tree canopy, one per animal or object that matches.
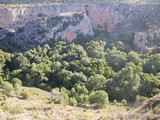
(83, 73)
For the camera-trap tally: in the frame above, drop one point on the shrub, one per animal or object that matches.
(17, 88)
(59, 97)
(25, 95)
(124, 102)
(4, 105)
(44, 86)
(63, 98)
(72, 102)
(98, 98)
(16, 81)
(16, 109)
(82, 98)
(115, 102)
(140, 99)
(8, 88)
(2, 97)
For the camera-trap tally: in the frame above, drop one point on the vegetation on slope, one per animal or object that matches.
(80, 74)
(150, 106)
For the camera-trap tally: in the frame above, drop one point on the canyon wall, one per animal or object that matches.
(116, 20)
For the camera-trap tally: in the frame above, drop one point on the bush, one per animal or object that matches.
(140, 99)
(115, 102)
(2, 97)
(124, 102)
(72, 102)
(63, 98)
(25, 95)
(44, 86)
(98, 98)
(16, 81)
(4, 105)
(17, 88)
(82, 99)
(8, 88)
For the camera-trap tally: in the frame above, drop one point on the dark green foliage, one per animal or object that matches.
(115, 102)
(124, 102)
(72, 102)
(152, 64)
(99, 99)
(116, 58)
(150, 84)
(127, 82)
(96, 82)
(95, 49)
(25, 95)
(83, 73)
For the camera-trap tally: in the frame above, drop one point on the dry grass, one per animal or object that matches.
(36, 107)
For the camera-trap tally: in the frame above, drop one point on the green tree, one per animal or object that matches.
(21, 61)
(152, 64)
(98, 98)
(116, 59)
(95, 49)
(96, 82)
(150, 85)
(80, 92)
(134, 57)
(127, 82)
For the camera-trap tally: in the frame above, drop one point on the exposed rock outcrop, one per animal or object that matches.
(120, 21)
(149, 39)
(62, 26)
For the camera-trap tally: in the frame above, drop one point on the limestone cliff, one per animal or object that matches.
(117, 20)
(148, 39)
(64, 26)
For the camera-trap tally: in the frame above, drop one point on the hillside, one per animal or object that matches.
(151, 106)
(38, 106)
(68, 60)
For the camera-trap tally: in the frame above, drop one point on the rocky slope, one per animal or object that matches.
(151, 106)
(117, 20)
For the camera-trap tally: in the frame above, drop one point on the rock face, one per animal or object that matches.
(149, 39)
(120, 21)
(62, 26)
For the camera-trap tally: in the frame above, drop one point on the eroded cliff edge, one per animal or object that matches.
(117, 20)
